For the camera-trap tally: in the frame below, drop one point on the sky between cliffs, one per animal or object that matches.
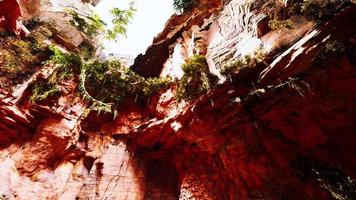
(148, 21)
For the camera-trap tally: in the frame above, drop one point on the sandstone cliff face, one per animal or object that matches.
(54, 12)
(283, 128)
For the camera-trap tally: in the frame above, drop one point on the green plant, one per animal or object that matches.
(322, 10)
(37, 39)
(183, 5)
(68, 64)
(42, 90)
(153, 85)
(278, 24)
(19, 58)
(121, 18)
(23, 49)
(230, 67)
(64, 59)
(91, 25)
(332, 48)
(108, 78)
(196, 80)
(107, 84)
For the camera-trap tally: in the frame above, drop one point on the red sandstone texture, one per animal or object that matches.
(158, 53)
(10, 17)
(260, 135)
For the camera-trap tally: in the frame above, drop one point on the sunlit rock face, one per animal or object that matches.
(32, 8)
(261, 135)
(233, 33)
(163, 45)
(55, 13)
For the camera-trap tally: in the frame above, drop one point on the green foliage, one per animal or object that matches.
(20, 57)
(37, 40)
(258, 56)
(278, 24)
(107, 84)
(121, 18)
(332, 48)
(196, 80)
(230, 67)
(91, 25)
(64, 59)
(23, 50)
(105, 81)
(153, 85)
(183, 5)
(322, 10)
(69, 64)
(42, 90)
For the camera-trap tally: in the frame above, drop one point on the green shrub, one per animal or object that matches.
(68, 64)
(23, 50)
(107, 81)
(108, 84)
(229, 68)
(322, 10)
(64, 59)
(332, 48)
(153, 85)
(183, 5)
(91, 25)
(42, 90)
(196, 80)
(37, 40)
(19, 58)
(278, 24)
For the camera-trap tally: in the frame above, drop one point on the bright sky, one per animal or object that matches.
(148, 21)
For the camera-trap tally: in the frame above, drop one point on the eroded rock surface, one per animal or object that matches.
(279, 129)
(10, 17)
